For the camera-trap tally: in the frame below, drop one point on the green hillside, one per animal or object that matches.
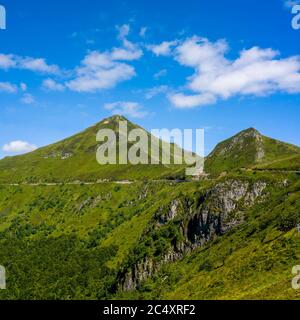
(232, 236)
(290, 163)
(247, 149)
(252, 261)
(75, 159)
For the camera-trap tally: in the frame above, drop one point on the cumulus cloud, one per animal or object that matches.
(18, 146)
(190, 101)
(37, 65)
(8, 87)
(151, 93)
(23, 86)
(143, 31)
(28, 99)
(98, 71)
(163, 49)
(104, 70)
(51, 85)
(129, 50)
(256, 71)
(123, 31)
(160, 73)
(126, 108)
(8, 61)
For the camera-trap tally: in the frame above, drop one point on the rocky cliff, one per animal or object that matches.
(200, 220)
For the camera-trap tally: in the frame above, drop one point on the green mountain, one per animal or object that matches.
(75, 159)
(229, 237)
(248, 149)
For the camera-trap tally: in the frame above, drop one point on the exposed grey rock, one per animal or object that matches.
(219, 210)
(171, 214)
(84, 203)
(63, 155)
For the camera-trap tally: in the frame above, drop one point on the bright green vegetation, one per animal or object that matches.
(252, 261)
(78, 241)
(249, 149)
(290, 163)
(75, 159)
(67, 242)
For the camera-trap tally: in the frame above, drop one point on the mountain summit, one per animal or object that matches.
(74, 158)
(246, 149)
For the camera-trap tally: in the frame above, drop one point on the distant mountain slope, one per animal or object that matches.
(75, 159)
(246, 149)
(290, 163)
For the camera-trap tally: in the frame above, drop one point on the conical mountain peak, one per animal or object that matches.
(246, 149)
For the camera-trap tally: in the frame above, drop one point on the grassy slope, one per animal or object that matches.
(291, 163)
(228, 156)
(47, 164)
(253, 261)
(68, 242)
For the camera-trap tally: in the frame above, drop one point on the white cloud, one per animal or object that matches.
(151, 93)
(160, 73)
(143, 32)
(123, 31)
(8, 87)
(28, 99)
(18, 147)
(256, 71)
(163, 49)
(7, 61)
(37, 65)
(27, 63)
(104, 70)
(98, 71)
(51, 85)
(23, 86)
(129, 51)
(131, 109)
(190, 101)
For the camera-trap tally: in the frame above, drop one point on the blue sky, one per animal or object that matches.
(219, 65)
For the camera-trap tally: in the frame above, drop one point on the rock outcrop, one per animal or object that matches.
(216, 212)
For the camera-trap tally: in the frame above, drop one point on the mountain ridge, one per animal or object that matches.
(247, 149)
(74, 158)
(225, 237)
